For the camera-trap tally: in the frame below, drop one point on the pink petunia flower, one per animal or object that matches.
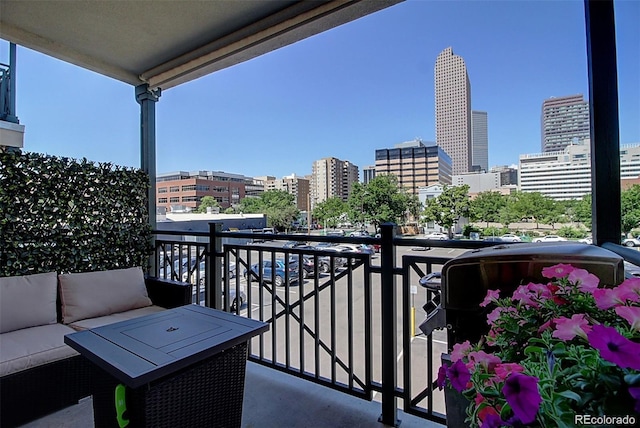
(541, 291)
(586, 281)
(460, 350)
(549, 324)
(568, 328)
(614, 347)
(492, 296)
(631, 314)
(557, 271)
(525, 296)
(609, 297)
(629, 290)
(503, 370)
(487, 361)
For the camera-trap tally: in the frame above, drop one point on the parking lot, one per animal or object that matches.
(320, 325)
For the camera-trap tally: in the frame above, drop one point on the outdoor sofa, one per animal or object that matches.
(39, 374)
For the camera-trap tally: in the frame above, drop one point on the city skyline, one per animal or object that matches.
(344, 93)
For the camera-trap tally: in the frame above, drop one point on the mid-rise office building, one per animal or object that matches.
(453, 109)
(415, 165)
(508, 174)
(332, 177)
(564, 121)
(294, 185)
(182, 191)
(566, 174)
(368, 173)
(479, 141)
(478, 182)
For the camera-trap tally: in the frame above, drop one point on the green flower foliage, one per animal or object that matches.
(63, 215)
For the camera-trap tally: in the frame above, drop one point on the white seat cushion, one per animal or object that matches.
(32, 347)
(109, 319)
(27, 301)
(95, 294)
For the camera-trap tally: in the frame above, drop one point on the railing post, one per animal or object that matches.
(213, 278)
(389, 327)
(603, 109)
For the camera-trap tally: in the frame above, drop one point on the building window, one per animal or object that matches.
(162, 190)
(174, 189)
(189, 199)
(162, 200)
(174, 199)
(188, 187)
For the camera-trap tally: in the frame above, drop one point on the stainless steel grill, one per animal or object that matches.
(466, 279)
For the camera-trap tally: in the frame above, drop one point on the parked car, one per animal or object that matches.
(358, 248)
(295, 244)
(550, 238)
(631, 242)
(200, 275)
(235, 303)
(587, 240)
(357, 233)
(324, 263)
(493, 239)
(267, 269)
(437, 236)
(308, 266)
(510, 237)
(631, 270)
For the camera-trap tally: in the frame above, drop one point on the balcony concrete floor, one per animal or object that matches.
(272, 399)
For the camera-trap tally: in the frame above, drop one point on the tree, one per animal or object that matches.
(582, 211)
(329, 211)
(487, 206)
(630, 207)
(278, 205)
(531, 204)
(379, 201)
(448, 207)
(207, 202)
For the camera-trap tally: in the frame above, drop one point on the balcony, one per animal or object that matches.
(272, 399)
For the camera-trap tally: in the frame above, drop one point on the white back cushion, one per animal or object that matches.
(94, 294)
(27, 301)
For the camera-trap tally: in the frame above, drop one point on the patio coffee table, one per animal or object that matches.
(182, 367)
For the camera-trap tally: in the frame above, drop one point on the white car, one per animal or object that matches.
(550, 238)
(631, 242)
(510, 237)
(437, 236)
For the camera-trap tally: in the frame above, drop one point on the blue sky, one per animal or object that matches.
(345, 93)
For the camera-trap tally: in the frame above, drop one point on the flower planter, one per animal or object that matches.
(455, 403)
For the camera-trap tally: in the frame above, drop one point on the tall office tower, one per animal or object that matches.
(479, 141)
(564, 121)
(332, 177)
(294, 185)
(415, 165)
(453, 109)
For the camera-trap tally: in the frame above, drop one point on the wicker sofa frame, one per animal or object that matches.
(38, 391)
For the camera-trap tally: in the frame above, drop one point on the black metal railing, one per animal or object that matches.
(338, 318)
(343, 319)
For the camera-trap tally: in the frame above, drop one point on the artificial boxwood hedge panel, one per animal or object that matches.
(64, 215)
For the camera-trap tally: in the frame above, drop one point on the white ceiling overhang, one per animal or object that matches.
(166, 43)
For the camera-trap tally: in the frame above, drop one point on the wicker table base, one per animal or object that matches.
(208, 394)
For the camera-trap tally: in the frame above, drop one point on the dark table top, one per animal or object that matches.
(141, 350)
